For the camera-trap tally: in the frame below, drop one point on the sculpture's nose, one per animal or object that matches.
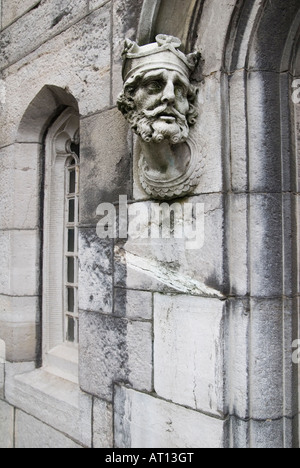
(169, 93)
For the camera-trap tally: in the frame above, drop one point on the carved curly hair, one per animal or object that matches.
(127, 106)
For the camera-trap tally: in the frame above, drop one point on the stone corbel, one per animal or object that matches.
(159, 102)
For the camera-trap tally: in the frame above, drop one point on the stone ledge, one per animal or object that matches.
(145, 421)
(57, 402)
(32, 433)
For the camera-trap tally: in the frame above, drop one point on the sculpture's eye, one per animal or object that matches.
(180, 91)
(154, 86)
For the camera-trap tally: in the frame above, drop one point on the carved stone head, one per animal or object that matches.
(158, 100)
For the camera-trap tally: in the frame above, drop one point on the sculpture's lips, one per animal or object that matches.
(165, 113)
(167, 118)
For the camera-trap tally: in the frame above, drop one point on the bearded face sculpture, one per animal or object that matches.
(158, 101)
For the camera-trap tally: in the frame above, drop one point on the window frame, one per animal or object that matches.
(58, 354)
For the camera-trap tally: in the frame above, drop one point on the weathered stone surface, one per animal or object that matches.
(24, 263)
(13, 9)
(84, 51)
(20, 339)
(133, 304)
(268, 49)
(95, 272)
(239, 433)
(237, 357)
(6, 426)
(20, 262)
(210, 40)
(188, 351)
(93, 4)
(5, 262)
(126, 15)
(267, 373)
(105, 162)
(2, 367)
(166, 264)
(271, 434)
(170, 22)
(238, 121)
(45, 22)
(266, 244)
(55, 401)
(20, 182)
(103, 424)
(268, 434)
(264, 152)
(31, 433)
(238, 249)
(114, 350)
(142, 421)
(18, 327)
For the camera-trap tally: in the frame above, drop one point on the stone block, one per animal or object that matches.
(20, 182)
(114, 350)
(188, 351)
(24, 263)
(19, 318)
(5, 249)
(165, 264)
(20, 263)
(135, 305)
(210, 40)
(44, 22)
(2, 379)
(55, 401)
(237, 216)
(6, 426)
(237, 357)
(103, 424)
(2, 367)
(271, 434)
(126, 14)
(264, 134)
(268, 49)
(33, 434)
(239, 433)
(95, 272)
(267, 359)
(266, 244)
(105, 162)
(143, 421)
(84, 51)
(13, 9)
(238, 125)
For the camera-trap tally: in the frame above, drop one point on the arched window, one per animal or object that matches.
(60, 246)
(71, 330)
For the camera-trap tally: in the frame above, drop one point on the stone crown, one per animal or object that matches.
(164, 53)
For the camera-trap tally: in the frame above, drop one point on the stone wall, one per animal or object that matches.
(178, 347)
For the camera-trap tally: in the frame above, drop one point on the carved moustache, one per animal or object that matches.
(166, 111)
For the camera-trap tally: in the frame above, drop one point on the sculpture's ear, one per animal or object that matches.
(194, 58)
(130, 47)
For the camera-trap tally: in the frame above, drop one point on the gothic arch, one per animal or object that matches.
(43, 110)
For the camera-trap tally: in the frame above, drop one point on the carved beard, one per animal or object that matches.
(151, 128)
